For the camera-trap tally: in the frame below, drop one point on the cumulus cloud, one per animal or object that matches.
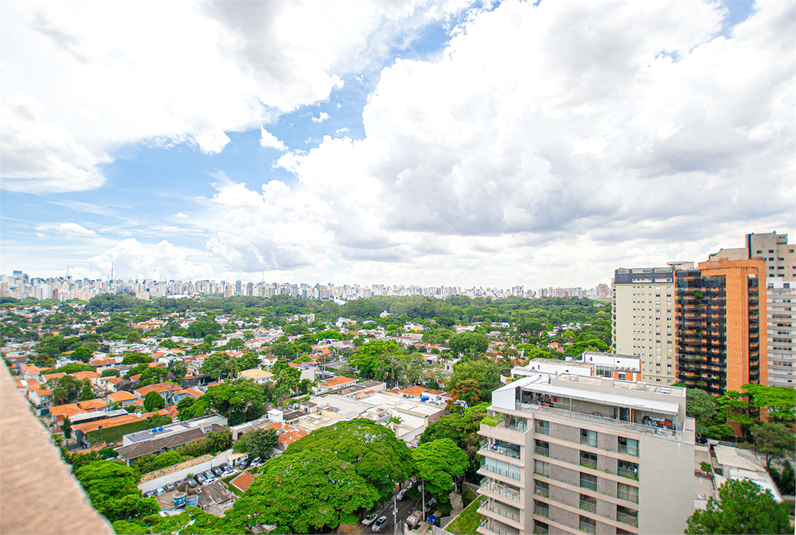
(163, 261)
(89, 83)
(268, 140)
(321, 117)
(565, 125)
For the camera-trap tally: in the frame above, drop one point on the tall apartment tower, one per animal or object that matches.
(643, 319)
(780, 258)
(720, 312)
(587, 454)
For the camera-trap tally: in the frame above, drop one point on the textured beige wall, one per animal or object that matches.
(38, 494)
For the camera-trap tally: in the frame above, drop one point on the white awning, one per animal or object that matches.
(616, 400)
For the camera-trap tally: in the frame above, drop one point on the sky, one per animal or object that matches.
(431, 142)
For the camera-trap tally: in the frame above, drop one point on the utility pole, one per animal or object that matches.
(395, 515)
(423, 499)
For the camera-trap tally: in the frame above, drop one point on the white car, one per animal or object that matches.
(379, 524)
(368, 520)
(209, 481)
(161, 491)
(229, 473)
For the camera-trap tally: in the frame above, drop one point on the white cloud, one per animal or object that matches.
(180, 215)
(133, 259)
(341, 130)
(89, 84)
(321, 117)
(268, 140)
(70, 230)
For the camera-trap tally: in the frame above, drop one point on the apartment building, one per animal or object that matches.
(720, 312)
(573, 454)
(780, 258)
(643, 319)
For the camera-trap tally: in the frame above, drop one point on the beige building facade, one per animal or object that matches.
(643, 319)
(574, 454)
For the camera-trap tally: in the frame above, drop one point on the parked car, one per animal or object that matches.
(368, 520)
(149, 494)
(226, 467)
(208, 474)
(379, 524)
(402, 493)
(200, 479)
(413, 519)
(192, 483)
(217, 471)
(209, 481)
(160, 491)
(228, 473)
(170, 487)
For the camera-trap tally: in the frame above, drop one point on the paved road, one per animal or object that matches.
(405, 509)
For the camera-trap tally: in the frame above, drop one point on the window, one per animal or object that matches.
(588, 481)
(542, 427)
(627, 516)
(541, 509)
(626, 492)
(588, 438)
(542, 468)
(542, 448)
(629, 446)
(588, 459)
(541, 488)
(587, 503)
(589, 525)
(627, 469)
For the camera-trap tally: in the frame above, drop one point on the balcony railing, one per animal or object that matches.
(497, 488)
(541, 450)
(586, 484)
(588, 506)
(588, 528)
(499, 471)
(627, 519)
(628, 450)
(541, 511)
(625, 471)
(502, 513)
(502, 450)
(588, 463)
(542, 491)
(589, 441)
(627, 496)
(641, 428)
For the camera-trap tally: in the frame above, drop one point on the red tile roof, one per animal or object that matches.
(243, 481)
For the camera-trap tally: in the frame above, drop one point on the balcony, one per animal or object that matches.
(499, 449)
(502, 513)
(590, 506)
(627, 517)
(541, 450)
(628, 449)
(488, 485)
(628, 470)
(512, 474)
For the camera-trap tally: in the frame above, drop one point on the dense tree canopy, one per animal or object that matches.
(258, 442)
(376, 454)
(741, 508)
(111, 486)
(485, 372)
(437, 463)
(239, 401)
(306, 491)
(468, 343)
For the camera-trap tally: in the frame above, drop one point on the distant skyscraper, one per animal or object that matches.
(720, 313)
(780, 258)
(643, 319)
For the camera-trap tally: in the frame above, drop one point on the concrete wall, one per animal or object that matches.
(182, 474)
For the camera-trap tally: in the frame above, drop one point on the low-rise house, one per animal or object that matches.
(123, 399)
(258, 376)
(335, 383)
(41, 397)
(106, 429)
(168, 437)
(92, 404)
(243, 481)
(166, 391)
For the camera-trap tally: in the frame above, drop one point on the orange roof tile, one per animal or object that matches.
(243, 481)
(108, 422)
(336, 381)
(413, 391)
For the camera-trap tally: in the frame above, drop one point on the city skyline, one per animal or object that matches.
(470, 143)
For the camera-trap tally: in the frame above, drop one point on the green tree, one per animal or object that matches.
(371, 355)
(700, 406)
(111, 486)
(153, 402)
(110, 372)
(259, 442)
(306, 492)
(485, 372)
(780, 401)
(741, 508)
(773, 441)
(184, 408)
(463, 430)
(376, 454)
(83, 354)
(468, 343)
(66, 427)
(133, 337)
(239, 401)
(437, 463)
(66, 389)
(137, 358)
(216, 366)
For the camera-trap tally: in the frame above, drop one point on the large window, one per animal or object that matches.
(541, 468)
(501, 468)
(588, 481)
(542, 448)
(626, 492)
(588, 459)
(628, 446)
(587, 503)
(627, 469)
(589, 525)
(588, 438)
(541, 488)
(540, 527)
(541, 509)
(542, 427)
(627, 516)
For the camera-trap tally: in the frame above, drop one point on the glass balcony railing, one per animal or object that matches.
(501, 450)
(496, 488)
(627, 495)
(588, 506)
(513, 473)
(627, 471)
(628, 449)
(586, 484)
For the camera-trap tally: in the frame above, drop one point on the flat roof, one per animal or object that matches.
(665, 407)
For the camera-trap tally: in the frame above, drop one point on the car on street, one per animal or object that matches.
(149, 494)
(379, 524)
(200, 479)
(368, 520)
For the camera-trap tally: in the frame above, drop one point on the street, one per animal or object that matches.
(405, 508)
